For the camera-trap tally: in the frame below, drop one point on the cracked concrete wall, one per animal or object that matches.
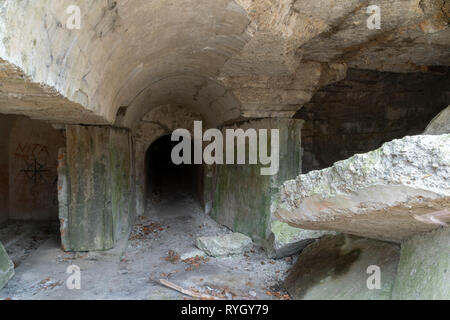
(413, 35)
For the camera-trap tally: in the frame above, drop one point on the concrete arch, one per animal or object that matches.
(122, 50)
(159, 122)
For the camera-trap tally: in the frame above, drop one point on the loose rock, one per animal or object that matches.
(230, 244)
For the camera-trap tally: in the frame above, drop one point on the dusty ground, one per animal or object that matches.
(133, 270)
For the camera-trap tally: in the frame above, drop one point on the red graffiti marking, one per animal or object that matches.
(29, 151)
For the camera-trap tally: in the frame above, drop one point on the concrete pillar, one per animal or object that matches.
(95, 188)
(424, 267)
(243, 197)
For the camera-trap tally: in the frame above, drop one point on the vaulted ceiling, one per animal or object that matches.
(223, 59)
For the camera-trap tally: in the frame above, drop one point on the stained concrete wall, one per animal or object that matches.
(28, 160)
(6, 123)
(242, 196)
(98, 207)
(424, 268)
(33, 151)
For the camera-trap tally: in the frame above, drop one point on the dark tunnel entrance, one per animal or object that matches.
(170, 187)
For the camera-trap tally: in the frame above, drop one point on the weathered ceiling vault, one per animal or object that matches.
(226, 60)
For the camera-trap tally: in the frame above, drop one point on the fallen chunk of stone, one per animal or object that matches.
(6, 267)
(192, 254)
(394, 192)
(225, 245)
(440, 124)
(344, 267)
(284, 240)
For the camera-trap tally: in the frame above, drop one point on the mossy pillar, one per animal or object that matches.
(95, 187)
(242, 196)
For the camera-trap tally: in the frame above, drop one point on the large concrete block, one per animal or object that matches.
(424, 267)
(394, 192)
(97, 207)
(6, 267)
(243, 196)
(344, 268)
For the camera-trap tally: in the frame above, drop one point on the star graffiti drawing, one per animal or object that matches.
(34, 171)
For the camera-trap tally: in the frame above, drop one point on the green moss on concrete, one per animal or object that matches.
(99, 184)
(6, 267)
(285, 240)
(424, 268)
(284, 232)
(243, 211)
(243, 196)
(121, 192)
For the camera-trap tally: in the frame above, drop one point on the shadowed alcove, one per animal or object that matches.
(169, 186)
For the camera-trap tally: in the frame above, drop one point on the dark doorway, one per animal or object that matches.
(168, 185)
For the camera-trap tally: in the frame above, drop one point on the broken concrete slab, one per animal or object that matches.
(424, 267)
(6, 267)
(242, 211)
(440, 124)
(344, 268)
(285, 240)
(225, 245)
(394, 192)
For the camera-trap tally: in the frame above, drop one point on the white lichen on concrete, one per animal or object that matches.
(393, 192)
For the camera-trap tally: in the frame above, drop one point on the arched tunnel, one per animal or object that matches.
(357, 119)
(168, 185)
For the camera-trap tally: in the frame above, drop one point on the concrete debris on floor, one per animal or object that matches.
(159, 248)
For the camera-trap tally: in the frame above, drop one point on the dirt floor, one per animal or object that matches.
(133, 270)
